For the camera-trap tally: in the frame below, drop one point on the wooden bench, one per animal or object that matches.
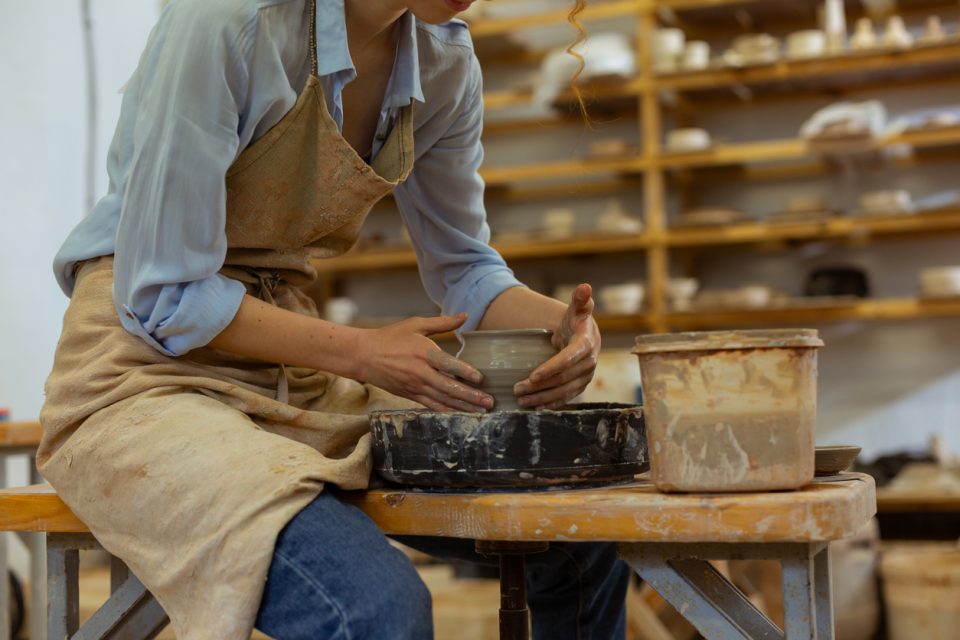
(22, 439)
(666, 539)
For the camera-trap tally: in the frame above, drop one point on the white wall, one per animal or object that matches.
(42, 165)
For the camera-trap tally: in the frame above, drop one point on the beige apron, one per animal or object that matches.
(188, 468)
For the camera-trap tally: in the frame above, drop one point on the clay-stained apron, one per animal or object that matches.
(187, 468)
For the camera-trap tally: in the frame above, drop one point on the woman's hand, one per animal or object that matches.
(401, 359)
(566, 375)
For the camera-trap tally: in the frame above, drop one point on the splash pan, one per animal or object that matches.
(586, 443)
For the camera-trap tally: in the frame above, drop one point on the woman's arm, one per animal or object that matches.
(399, 358)
(575, 334)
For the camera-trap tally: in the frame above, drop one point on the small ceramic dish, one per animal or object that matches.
(831, 460)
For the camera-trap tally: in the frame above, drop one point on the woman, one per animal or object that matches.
(198, 406)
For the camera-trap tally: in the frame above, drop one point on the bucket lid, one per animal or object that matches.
(720, 340)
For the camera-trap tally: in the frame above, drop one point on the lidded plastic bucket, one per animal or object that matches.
(730, 410)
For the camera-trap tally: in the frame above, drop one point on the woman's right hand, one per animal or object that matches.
(401, 359)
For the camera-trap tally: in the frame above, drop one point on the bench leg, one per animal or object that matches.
(63, 587)
(131, 612)
(514, 614)
(37, 546)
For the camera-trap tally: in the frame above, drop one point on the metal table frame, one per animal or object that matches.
(680, 572)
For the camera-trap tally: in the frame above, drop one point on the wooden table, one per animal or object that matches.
(667, 539)
(16, 439)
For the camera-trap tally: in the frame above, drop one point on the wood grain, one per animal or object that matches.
(822, 511)
(20, 434)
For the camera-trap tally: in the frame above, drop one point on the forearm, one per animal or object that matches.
(265, 332)
(521, 308)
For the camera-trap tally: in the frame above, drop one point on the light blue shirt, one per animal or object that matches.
(214, 77)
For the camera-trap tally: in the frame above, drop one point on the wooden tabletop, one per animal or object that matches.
(19, 434)
(826, 510)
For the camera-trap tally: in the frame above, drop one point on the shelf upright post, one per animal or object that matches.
(653, 180)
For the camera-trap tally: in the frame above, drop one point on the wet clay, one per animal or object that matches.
(506, 358)
(738, 413)
(587, 443)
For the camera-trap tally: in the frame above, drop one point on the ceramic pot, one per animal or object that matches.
(505, 358)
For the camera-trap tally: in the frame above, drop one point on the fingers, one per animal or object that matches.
(556, 397)
(583, 368)
(568, 358)
(452, 393)
(438, 324)
(446, 363)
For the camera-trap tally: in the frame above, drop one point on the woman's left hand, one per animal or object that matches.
(565, 376)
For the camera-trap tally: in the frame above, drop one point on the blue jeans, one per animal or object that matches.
(334, 576)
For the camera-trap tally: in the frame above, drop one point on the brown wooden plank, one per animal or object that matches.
(20, 434)
(889, 501)
(36, 508)
(822, 511)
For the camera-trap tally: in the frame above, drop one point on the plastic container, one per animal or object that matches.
(731, 410)
(921, 588)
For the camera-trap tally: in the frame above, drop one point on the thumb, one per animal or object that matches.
(439, 324)
(582, 299)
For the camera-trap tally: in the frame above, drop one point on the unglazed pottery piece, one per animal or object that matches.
(730, 410)
(505, 358)
(833, 459)
(583, 443)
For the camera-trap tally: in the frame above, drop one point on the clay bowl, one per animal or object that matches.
(505, 358)
(831, 460)
(588, 443)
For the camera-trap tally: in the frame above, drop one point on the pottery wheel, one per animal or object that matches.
(586, 443)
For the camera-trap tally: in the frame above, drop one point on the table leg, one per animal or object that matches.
(799, 612)
(514, 614)
(823, 594)
(37, 545)
(699, 592)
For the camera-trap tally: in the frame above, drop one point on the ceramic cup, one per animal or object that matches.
(340, 310)
(687, 139)
(506, 358)
(668, 47)
(696, 56)
(810, 43)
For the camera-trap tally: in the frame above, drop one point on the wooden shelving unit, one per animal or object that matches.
(657, 170)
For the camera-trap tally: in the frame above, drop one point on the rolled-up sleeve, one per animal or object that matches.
(442, 206)
(171, 240)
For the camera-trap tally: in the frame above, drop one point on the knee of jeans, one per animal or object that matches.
(410, 605)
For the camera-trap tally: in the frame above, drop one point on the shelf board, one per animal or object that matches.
(894, 501)
(833, 228)
(373, 260)
(875, 309)
(501, 175)
(596, 11)
(870, 65)
(796, 149)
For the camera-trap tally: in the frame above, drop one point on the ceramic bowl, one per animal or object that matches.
(940, 282)
(810, 43)
(622, 299)
(886, 202)
(505, 358)
(831, 460)
(687, 140)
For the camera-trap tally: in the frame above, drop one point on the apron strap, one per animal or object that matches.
(314, 66)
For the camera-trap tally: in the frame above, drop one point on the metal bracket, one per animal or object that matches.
(719, 610)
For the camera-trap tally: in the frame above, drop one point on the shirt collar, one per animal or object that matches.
(333, 53)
